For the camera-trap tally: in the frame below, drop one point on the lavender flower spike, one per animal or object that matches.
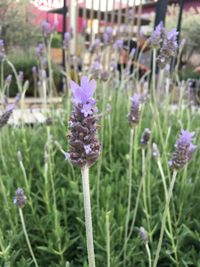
(134, 115)
(6, 115)
(168, 49)
(184, 150)
(84, 146)
(146, 135)
(20, 199)
(155, 37)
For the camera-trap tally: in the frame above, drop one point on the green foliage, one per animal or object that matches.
(25, 64)
(16, 23)
(56, 41)
(55, 222)
(188, 73)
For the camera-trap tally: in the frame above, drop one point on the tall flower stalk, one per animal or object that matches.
(184, 150)
(84, 147)
(133, 119)
(20, 201)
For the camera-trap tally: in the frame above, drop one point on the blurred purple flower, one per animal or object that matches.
(134, 115)
(95, 45)
(20, 199)
(107, 35)
(118, 45)
(66, 40)
(155, 37)
(2, 49)
(8, 80)
(184, 150)
(46, 28)
(43, 74)
(40, 49)
(34, 70)
(168, 49)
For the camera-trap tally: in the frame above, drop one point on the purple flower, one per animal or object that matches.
(95, 45)
(84, 146)
(168, 49)
(155, 37)
(134, 115)
(20, 199)
(107, 35)
(143, 235)
(4, 117)
(40, 49)
(66, 40)
(34, 70)
(145, 137)
(83, 95)
(46, 28)
(2, 49)
(8, 80)
(118, 44)
(67, 155)
(184, 150)
(43, 74)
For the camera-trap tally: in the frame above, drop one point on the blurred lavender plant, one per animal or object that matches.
(20, 199)
(4, 117)
(107, 35)
(2, 49)
(166, 42)
(168, 49)
(146, 135)
(95, 45)
(184, 150)
(134, 115)
(66, 40)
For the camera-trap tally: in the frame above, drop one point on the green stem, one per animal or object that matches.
(168, 213)
(26, 236)
(108, 238)
(148, 253)
(169, 195)
(88, 216)
(144, 193)
(129, 193)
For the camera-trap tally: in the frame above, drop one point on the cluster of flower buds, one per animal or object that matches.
(84, 146)
(2, 49)
(4, 117)
(184, 150)
(20, 199)
(8, 80)
(47, 30)
(143, 235)
(166, 42)
(134, 115)
(146, 135)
